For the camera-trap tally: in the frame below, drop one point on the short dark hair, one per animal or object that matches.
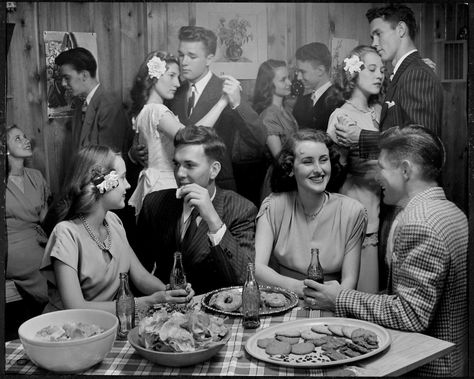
(417, 143)
(79, 58)
(395, 13)
(214, 147)
(282, 179)
(199, 34)
(315, 52)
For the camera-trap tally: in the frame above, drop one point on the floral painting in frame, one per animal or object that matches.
(241, 31)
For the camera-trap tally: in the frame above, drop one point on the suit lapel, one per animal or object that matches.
(210, 95)
(91, 112)
(393, 83)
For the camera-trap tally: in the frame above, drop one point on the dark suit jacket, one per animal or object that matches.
(105, 123)
(313, 117)
(207, 267)
(415, 96)
(243, 118)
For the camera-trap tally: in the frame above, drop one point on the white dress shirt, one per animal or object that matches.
(319, 92)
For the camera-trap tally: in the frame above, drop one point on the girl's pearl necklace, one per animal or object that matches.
(104, 246)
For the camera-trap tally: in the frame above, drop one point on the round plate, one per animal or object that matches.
(259, 353)
(290, 296)
(175, 359)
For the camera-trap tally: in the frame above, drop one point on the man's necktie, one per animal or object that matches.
(83, 111)
(192, 226)
(313, 98)
(191, 100)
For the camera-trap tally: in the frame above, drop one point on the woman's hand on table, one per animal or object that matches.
(321, 296)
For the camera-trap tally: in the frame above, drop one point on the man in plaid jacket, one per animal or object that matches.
(426, 253)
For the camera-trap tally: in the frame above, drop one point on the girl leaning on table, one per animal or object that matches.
(88, 247)
(302, 214)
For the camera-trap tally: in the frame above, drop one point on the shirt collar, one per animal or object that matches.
(319, 92)
(91, 93)
(202, 83)
(402, 59)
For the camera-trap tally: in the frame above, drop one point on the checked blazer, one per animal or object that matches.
(414, 96)
(243, 119)
(427, 292)
(207, 267)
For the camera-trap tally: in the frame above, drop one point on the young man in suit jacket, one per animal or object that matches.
(213, 228)
(313, 63)
(197, 47)
(414, 95)
(99, 118)
(427, 253)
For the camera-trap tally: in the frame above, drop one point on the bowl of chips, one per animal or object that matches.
(69, 341)
(178, 338)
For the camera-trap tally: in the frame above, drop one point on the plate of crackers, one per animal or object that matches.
(228, 301)
(318, 342)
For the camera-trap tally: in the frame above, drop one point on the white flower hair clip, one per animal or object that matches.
(353, 64)
(106, 183)
(156, 67)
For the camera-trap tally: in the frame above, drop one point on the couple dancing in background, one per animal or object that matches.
(204, 99)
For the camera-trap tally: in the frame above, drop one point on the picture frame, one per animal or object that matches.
(241, 32)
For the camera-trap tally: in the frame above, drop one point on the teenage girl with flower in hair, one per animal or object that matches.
(88, 247)
(357, 92)
(157, 80)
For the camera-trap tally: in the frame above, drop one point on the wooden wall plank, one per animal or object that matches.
(57, 132)
(132, 16)
(276, 31)
(157, 27)
(80, 17)
(107, 25)
(179, 13)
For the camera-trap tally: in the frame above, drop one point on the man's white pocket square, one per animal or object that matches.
(390, 104)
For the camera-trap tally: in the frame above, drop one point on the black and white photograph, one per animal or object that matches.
(246, 189)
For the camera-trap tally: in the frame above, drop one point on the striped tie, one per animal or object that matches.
(191, 100)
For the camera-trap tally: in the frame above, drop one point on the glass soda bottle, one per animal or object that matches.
(177, 276)
(315, 270)
(251, 300)
(125, 307)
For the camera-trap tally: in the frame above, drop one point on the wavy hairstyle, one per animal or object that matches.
(282, 179)
(345, 82)
(79, 194)
(264, 87)
(142, 84)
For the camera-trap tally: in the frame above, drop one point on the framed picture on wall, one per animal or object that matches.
(59, 97)
(241, 31)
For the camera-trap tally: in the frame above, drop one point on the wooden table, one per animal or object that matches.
(407, 352)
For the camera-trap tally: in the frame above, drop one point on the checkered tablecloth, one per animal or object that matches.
(231, 360)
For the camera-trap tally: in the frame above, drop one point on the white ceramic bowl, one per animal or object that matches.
(69, 356)
(175, 359)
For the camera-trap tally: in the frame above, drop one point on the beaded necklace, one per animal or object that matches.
(313, 215)
(104, 246)
(370, 110)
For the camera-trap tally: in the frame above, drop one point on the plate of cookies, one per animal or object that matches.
(228, 301)
(318, 342)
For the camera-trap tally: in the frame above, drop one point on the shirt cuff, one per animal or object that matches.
(216, 237)
(235, 107)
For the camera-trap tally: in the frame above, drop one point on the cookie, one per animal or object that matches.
(320, 341)
(321, 328)
(334, 355)
(356, 347)
(302, 348)
(347, 331)
(336, 330)
(277, 347)
(275, 300)
(310, 335)
(368, 336)
(263, 342)
(290, 340)
(349, 352)
(289, 333)
(333, 343)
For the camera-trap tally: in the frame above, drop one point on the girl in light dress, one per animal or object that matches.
(157, 80)
(88, 247)
(271, 87)
(357, 91)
